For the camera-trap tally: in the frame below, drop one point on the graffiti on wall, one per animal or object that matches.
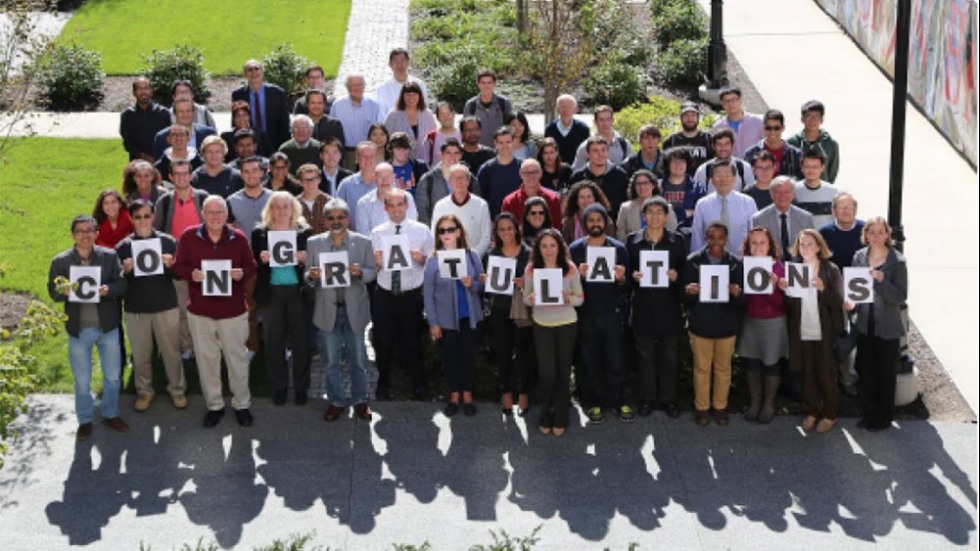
(942, 57)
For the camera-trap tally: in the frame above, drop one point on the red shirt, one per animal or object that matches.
(108, 236)
(514, 204)
(194, 246)
(185, 216)
(777, 155)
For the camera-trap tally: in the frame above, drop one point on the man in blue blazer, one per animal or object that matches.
(270, 112)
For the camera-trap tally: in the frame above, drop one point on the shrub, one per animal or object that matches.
(70, 78)
(184, 62)
(684, 63)
(616, 83)
(285, 68)
(679, 20)
(663, 112)
(454, 82)
(617, 34)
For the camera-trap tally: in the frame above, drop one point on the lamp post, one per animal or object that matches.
(717, 58)
(897, 167)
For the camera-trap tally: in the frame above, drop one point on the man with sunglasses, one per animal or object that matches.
(786, 157)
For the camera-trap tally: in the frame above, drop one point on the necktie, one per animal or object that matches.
(396, 277)
(724, 209)
(784, 238)
(259, 123)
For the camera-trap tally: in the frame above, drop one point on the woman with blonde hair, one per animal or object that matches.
(278, 292)
(814, 322)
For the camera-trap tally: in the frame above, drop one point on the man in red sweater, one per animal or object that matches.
(531, 187)
(218, 322)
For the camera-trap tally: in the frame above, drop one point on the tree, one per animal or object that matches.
(558, 45)
(20, 48)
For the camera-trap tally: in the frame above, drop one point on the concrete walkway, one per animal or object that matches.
(374, 28)
(792, 51)
(412, 475)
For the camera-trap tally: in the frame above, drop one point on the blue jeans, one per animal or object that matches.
(333, 343)
(80, 358)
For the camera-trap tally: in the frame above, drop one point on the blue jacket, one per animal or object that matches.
(440, 295)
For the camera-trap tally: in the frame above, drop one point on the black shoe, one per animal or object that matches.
(244, 417)
(279, 397)
(672, 411)
(452, 408)
(469, 409)
(301, 398)
(645, 409)
(213, 417)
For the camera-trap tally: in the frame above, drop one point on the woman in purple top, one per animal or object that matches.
(763, 342)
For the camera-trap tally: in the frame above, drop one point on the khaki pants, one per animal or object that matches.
(183, 296)
(143, 329)
(212, 339)
(712, 357)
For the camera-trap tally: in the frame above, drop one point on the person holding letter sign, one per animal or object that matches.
(555, 326)
(879, 323)
(601, 316)
(279, 247)
(343, 310)
(815, 319)
(151, 306)
(762, 343)
(397, 302)
(714, 307)
(511, 336)
(95, 283)
(656, 306)
(453, 309)
(216, 313)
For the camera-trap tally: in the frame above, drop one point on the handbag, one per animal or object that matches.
(520, 313)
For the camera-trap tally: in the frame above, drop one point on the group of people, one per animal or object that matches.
(302, 231)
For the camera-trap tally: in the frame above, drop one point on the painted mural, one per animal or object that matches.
(942, 57)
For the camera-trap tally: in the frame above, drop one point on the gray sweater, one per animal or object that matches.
(889, 296)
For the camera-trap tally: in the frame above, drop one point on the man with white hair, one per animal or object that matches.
(219, 323)
(471, 210)
(370, 210)
(302, 148)
(356, 113)
(782, 218)
(568, 131)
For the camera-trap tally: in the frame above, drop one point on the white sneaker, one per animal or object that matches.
(187, 356)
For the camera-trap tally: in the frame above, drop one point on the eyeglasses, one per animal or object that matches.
(444, 231)
(773, 128)
(143, 217)
(644, 183)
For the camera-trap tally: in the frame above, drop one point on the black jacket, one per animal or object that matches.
(111, 276)
(656, 311)
(149, 294)
(713, 320)
(276, 112)
(260, 242)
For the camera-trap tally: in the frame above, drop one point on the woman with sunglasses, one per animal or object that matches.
(454, 309)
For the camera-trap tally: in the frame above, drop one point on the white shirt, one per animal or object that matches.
(419, 238)
(371, 211)
(741, 207)
(389, 91)
(475, 216)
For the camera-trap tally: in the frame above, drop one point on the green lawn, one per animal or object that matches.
(227, 31)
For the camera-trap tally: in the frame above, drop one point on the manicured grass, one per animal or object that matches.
(45, 183)
(227, 31)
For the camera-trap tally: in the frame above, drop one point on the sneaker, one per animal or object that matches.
(143, 402)
(626, 414)
(363, 412)
(595, 415)
(179, 401)
(187, 356)
(116, 424)
(84, 432)
(213, 417)
(244, 417)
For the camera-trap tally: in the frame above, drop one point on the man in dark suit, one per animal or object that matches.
(782, 218)
(270, 113)
(184, 113)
